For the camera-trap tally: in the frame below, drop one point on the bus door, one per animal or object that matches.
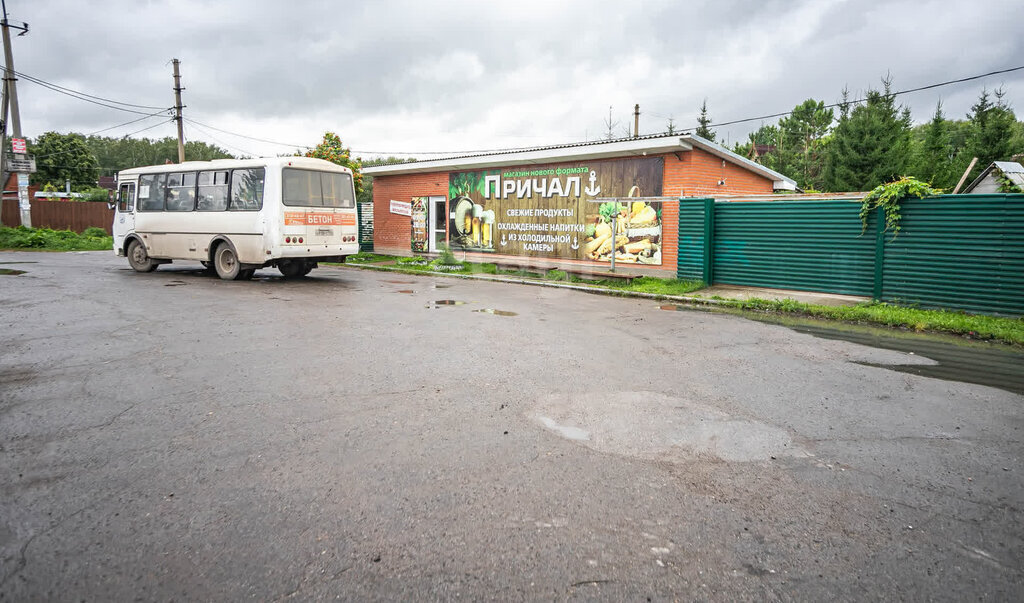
(124, 216)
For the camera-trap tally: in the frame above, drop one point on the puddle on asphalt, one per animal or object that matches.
(175, 284)
(405, 291)
(441, 286)
(9, 263)
(10, 272)
(496, 312)
(956, 359)
(400, 282)
(445, 302)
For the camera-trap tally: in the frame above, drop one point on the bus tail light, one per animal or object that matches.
(287, 239)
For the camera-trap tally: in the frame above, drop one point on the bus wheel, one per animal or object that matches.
(225, 262)
(292, 268)
(138, 258)
(307, 268)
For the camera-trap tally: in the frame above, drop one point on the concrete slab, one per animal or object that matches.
(807, 297)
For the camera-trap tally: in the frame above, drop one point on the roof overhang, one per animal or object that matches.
(637, 147)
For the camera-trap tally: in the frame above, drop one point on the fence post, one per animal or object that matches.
(709, 241)
(879, 253)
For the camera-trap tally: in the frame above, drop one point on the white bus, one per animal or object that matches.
(236, 216)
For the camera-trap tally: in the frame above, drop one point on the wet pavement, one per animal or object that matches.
(174, 436)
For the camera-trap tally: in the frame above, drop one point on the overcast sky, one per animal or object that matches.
(411, 77)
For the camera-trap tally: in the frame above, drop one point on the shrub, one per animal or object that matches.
(94, 232)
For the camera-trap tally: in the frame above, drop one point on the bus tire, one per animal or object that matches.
(138, 258)
(291, 268)
(225, 262)
(307, 268)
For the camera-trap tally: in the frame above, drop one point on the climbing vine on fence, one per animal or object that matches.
(889, 196)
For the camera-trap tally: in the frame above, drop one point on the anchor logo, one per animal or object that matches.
(593, 190)
(575, 243)
(503, 241)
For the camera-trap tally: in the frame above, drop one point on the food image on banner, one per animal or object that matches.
(637, 237)
(548, 212)
(419, 223)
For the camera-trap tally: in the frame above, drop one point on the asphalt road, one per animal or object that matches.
(173, 436)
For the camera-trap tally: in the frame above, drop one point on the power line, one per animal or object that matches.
(83, 97)
(78, 92)
(219, 141)
(111, 128)
(283, 144)
(516, 149)
(861, 100)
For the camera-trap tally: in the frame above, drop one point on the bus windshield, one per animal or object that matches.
(309, 188)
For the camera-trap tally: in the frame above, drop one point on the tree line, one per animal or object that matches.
(83, 159)
(873, 141)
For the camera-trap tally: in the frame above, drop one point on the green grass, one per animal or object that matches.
(975, 326)
(44, 239)
(656, 286)
(368, 257)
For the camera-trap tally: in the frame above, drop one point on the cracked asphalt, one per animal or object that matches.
(172, 436)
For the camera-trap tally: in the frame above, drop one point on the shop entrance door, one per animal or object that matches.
(438, 221)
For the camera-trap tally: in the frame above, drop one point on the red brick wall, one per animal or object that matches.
(698, 172)
(392, 232)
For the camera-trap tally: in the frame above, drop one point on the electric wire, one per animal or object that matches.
(283, 144)
(86, 98)
(79, 92)
(219, 141)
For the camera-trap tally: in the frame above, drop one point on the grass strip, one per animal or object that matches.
(45, 239)
(975, 326)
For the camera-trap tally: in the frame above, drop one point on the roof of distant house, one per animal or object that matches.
(1013, 171)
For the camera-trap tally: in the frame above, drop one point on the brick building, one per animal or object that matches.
(553, 207)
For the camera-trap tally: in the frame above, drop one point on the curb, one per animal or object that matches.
(596, 290)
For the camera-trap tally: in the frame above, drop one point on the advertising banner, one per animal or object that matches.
(419, 223)
(547, 212)
(401, 208)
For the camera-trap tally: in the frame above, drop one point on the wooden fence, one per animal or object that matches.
(60, 215)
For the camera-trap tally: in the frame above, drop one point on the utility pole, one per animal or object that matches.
(636, 121)
(10, 90)
(177, 110)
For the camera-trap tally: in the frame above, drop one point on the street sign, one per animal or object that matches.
(18, 145)
(24, 166)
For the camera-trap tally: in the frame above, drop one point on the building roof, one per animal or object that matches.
(640, 146)
(1013, 171)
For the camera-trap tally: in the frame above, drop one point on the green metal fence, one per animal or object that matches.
(958, 252)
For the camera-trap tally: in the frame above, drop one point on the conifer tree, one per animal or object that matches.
(871, 143)
(704, 123)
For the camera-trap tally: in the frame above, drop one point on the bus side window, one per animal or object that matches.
(151, 192)
(247, 189)
(213, 191)
(181, 191)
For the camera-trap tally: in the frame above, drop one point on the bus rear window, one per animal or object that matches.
(308, 188)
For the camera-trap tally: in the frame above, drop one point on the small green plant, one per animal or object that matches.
(95, 194)
(94, 232)
(1005, 184)
(888, 196)
(556, 275)
(447, 258)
